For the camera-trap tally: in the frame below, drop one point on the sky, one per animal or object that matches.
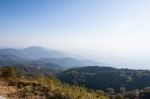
(113, 31)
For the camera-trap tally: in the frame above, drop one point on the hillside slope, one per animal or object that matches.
(18, 86)
(106, 77)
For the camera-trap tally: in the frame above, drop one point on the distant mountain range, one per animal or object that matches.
(34, 52)
(40, 57)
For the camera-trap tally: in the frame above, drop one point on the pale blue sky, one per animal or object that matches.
(102, 28)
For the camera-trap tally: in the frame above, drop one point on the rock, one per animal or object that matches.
(2, 97)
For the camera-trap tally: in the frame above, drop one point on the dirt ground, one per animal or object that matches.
(6, 90)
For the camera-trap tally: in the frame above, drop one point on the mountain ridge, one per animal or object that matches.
(38, 55)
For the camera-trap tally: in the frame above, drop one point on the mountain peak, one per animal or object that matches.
(35, 47)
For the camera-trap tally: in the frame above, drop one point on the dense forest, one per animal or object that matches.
(96, 77)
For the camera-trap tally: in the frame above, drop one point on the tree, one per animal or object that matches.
(145, 94)
(122, 90)
(118, 96)
(110, 91)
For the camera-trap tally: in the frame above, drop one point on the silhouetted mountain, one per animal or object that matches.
(34, 52)
(106, 77)
(67, 62)
(41, 57)
(11, 60)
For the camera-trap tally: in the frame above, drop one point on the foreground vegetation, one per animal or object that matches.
(15, 85)
(24, 86)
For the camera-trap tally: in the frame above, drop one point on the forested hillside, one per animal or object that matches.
(95, 77)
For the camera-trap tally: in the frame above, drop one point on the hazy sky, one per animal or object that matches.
(109, 30)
